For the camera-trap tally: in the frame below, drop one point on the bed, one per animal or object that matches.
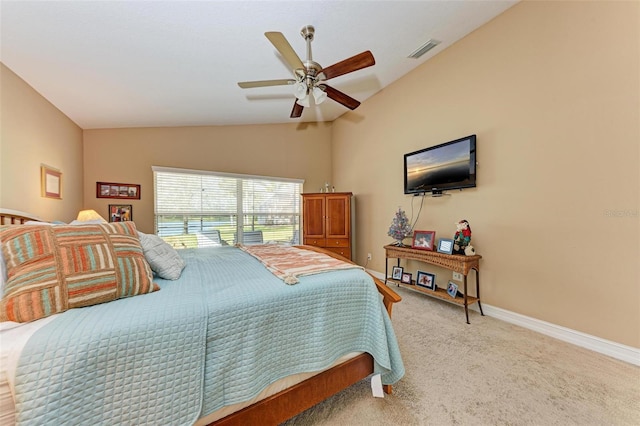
(228, 342)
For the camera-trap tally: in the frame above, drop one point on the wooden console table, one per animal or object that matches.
(454, 262)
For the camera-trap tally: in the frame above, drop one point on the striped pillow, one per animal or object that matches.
(51, 269)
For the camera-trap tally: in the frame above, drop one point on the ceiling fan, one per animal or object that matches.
(309, 76)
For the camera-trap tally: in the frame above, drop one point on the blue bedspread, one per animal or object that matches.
(217, 336)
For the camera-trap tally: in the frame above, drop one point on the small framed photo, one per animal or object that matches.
(397, 273)
(426, 280)
(452, 289)
(445, 245)
(120, 212)
(423, 240)
(406, 278)
(50, 182)
(117, 190)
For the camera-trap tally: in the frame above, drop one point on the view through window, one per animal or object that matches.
(201, 209)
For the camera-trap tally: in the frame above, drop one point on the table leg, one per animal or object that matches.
(386, 270)
(466, 305)
(478, 291)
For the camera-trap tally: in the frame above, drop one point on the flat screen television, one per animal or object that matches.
(451, 165)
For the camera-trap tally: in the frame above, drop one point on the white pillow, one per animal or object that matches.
(163, 259)
(88, 222)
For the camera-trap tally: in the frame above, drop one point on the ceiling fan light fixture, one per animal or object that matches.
(319, 95)
(304, 101)
(300, 89)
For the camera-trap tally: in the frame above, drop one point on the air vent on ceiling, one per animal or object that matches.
(430, 44)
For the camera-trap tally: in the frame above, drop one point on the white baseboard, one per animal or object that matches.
(606, 347)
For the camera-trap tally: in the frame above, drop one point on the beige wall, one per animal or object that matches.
(552, 90)
(34, 132)
(126, 156)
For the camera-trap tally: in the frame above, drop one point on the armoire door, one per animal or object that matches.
(338, 220)
(314, 216)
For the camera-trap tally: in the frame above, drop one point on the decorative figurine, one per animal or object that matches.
(462, 238)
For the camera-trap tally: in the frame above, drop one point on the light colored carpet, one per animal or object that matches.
(487, 373)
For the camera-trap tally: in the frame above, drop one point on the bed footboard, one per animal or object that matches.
(294, 400)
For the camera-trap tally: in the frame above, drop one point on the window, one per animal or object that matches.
(198, 209)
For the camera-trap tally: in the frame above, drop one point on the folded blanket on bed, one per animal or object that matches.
(288, 263)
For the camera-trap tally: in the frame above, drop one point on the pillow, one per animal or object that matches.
(51, 269)
(87, 222)
(163, 259)
(3, 274)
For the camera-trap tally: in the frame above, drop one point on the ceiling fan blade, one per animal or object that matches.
(285, 49)
(264, 83)
(340, 97)
(354, 63)
(296, 112)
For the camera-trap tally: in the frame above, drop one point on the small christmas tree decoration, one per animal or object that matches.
(400, 227)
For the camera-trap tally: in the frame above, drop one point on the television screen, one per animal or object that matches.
(450, 165)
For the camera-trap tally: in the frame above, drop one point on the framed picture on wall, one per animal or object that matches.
(120, 212)
(50, 182)
(117, 190)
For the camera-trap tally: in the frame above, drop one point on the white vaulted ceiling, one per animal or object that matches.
(114, 64)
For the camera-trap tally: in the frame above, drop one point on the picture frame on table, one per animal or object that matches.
(406, 278)
(423, 240)
(445, 245)
(426, 280)
(120, 212)
(128, 191)
(452, 289)
(396, 273)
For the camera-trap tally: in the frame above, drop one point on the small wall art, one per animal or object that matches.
(117, 190)
(50, 182)
(120, 212)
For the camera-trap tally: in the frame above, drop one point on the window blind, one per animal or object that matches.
(199, 209)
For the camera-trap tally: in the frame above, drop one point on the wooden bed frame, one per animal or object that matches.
(14, 217)
(298, 398)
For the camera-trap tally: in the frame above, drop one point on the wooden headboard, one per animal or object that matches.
(15, 217)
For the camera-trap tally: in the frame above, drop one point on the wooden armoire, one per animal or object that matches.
(327, 221)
